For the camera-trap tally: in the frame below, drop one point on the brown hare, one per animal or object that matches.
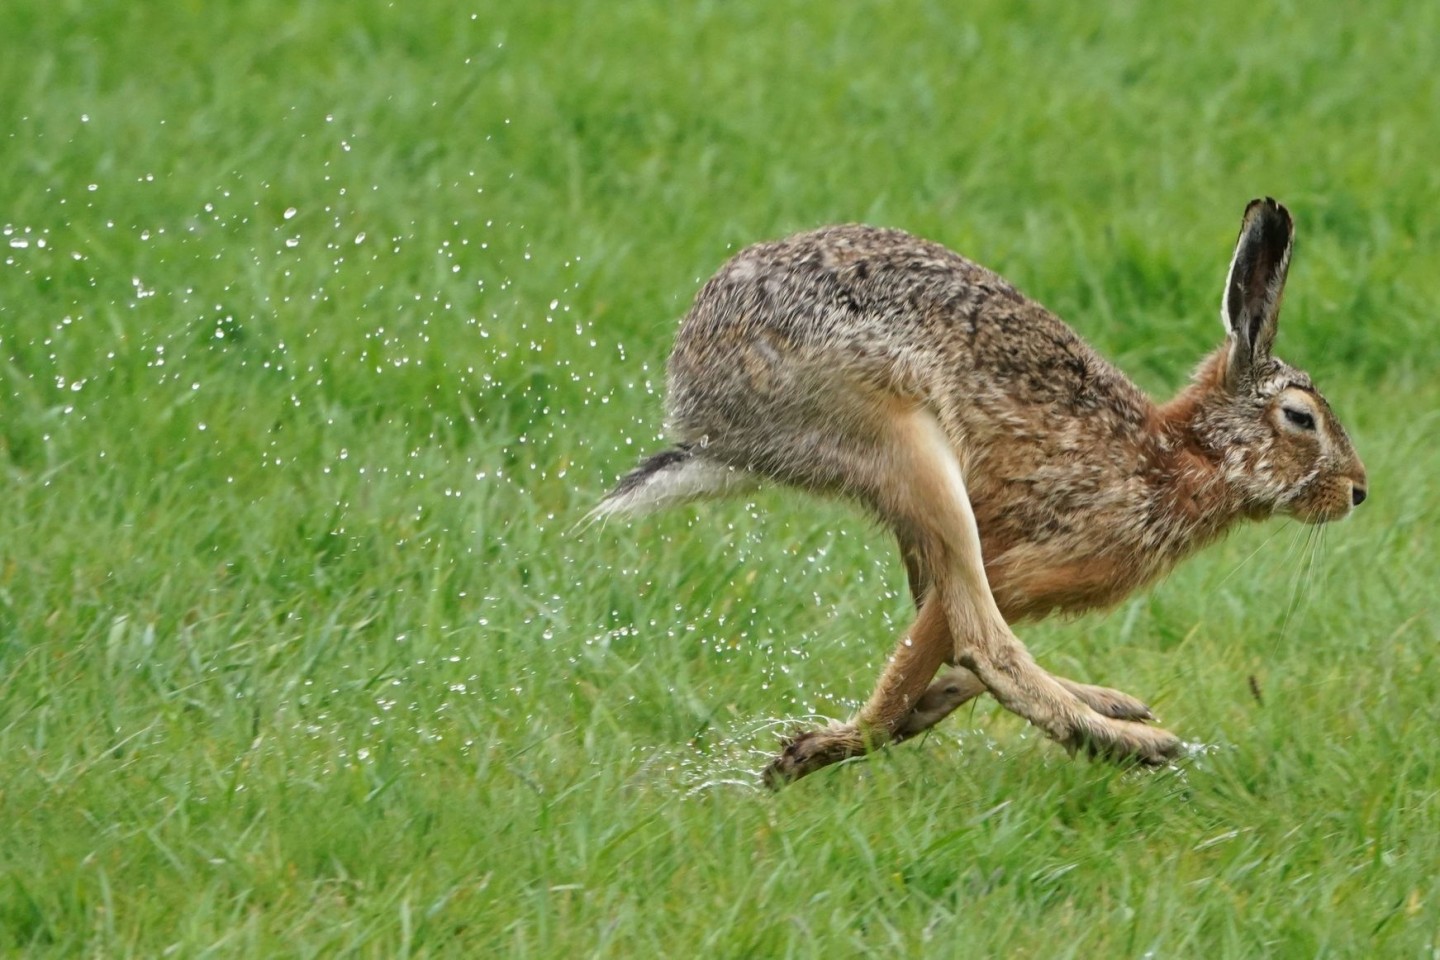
(1021, 472)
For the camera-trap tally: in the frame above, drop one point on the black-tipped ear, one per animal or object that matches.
(1256, 283)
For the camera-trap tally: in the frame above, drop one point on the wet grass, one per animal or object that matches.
(320, 325)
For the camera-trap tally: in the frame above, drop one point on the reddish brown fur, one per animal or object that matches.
(1021, 472)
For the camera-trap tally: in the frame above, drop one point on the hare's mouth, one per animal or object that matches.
(1323, 503)
(1318, 517)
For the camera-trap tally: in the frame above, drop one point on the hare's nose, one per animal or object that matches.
(1357, 495)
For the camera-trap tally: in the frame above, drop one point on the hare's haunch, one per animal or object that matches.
(1021, 472)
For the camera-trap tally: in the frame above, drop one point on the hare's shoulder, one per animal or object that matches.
(1030, 355)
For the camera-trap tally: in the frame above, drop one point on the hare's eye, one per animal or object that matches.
(1300, 418)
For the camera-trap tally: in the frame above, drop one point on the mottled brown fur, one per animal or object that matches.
(1022, 473)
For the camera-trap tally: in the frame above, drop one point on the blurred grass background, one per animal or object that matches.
(321, 324)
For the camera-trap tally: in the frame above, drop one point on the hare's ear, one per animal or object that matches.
(1255, 285)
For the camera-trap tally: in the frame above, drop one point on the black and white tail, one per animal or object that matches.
(670, 478)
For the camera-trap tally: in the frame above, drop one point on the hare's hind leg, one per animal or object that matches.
(927, 494)
(916, 484)
(956, 686)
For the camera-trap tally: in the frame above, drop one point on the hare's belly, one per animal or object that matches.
(1028, 585)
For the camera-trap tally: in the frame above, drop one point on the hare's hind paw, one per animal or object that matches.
(957, 686)
(1115, 704)
(1126, 742)
(805, 752)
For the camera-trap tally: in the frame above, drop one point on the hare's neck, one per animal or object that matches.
(1186, 504)
(1196, 503)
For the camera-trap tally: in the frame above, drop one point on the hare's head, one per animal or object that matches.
(1279, 445)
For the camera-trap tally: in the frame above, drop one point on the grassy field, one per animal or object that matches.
(322, 324)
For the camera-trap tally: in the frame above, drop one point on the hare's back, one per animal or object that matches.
(885, 307)
(830, 283)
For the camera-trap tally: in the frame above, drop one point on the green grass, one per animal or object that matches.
(321, 325)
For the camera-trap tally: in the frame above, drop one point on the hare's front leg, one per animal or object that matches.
(923, 495)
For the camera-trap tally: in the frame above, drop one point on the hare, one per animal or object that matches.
(1021, 473)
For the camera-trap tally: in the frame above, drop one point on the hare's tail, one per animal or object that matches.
(671, 477)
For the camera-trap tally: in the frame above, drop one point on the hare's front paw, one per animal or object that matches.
(1122, 741)
(804, 753)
